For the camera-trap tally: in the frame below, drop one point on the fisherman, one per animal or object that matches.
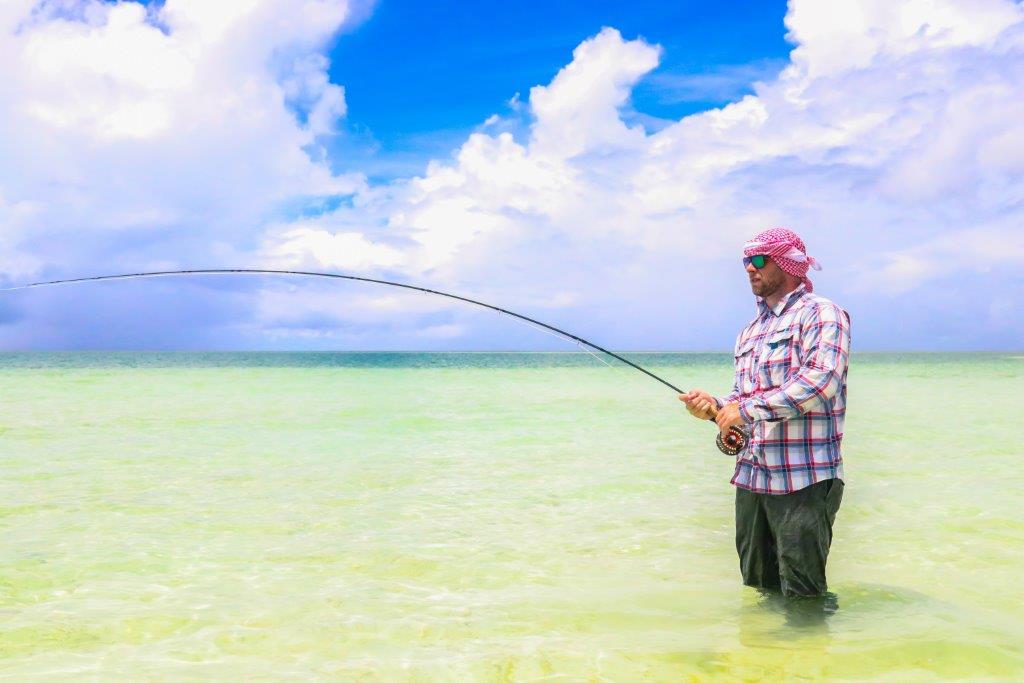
(789, 395)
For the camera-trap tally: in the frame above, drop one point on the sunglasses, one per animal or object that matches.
(759, 260)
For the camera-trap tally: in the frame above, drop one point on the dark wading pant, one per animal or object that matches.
(783, 540)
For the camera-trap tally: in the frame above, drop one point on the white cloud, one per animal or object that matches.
(887, 142)
(177, 113)
(982, 248)
(844, 36)
(309, 247)
(153, 137)
(579, 110)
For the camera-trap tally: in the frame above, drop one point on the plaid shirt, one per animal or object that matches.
(790, 382)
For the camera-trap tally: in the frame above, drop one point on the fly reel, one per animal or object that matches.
(734, 442)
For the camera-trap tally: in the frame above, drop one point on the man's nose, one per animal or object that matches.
(750, 268)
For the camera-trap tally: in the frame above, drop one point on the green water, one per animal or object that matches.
(484, 517)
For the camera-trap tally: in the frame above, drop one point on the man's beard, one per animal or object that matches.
(766, 288)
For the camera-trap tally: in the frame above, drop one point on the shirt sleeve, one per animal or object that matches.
(825, 338)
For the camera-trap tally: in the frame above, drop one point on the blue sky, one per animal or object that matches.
(596, 165)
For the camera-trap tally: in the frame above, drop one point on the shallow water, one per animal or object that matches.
(484, 516)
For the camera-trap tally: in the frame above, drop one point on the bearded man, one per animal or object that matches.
(789, 395)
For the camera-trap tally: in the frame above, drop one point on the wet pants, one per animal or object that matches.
(783, 540)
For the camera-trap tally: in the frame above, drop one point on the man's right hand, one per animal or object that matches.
(700, 404)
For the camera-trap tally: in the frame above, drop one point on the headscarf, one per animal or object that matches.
(787, 250)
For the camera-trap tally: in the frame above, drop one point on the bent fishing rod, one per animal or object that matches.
(733, 443)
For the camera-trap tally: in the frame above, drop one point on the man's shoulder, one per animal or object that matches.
(816, 308)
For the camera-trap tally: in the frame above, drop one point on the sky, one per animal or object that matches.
(594, 165)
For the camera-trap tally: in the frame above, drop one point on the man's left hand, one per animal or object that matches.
(729, 416)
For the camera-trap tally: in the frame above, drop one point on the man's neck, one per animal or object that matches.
(773, 300)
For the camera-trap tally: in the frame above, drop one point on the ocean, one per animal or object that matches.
(485, 516)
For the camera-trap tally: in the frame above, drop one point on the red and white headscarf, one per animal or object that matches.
(787, 250)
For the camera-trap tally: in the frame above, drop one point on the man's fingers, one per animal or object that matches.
(699, 403)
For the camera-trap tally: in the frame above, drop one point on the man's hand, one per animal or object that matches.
(699, 403)
(728, 416)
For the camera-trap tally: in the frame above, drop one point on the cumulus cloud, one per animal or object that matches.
(323, 249)
(122, 116)
(891, 140)
(170, 135)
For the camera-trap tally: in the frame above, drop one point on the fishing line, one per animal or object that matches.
(559, 336)
(732, 446)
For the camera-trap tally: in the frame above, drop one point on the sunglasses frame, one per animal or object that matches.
(747, 260)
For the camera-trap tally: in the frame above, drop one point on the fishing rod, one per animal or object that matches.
(734, 441)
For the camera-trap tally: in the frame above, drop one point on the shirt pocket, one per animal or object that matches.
(780, 357)
(745, 362)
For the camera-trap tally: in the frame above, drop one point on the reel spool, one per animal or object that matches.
(735, 439)
(734, 442)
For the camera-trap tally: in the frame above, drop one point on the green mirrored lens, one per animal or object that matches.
(758, 260)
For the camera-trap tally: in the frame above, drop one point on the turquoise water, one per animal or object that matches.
(484, 517)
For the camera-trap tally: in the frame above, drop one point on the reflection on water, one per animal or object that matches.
(808, 613)
(770, 619)
(768, 616)
(774, 621)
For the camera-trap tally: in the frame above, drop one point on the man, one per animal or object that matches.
(789, 394)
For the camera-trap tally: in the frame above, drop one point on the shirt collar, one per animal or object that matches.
(762, 306)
